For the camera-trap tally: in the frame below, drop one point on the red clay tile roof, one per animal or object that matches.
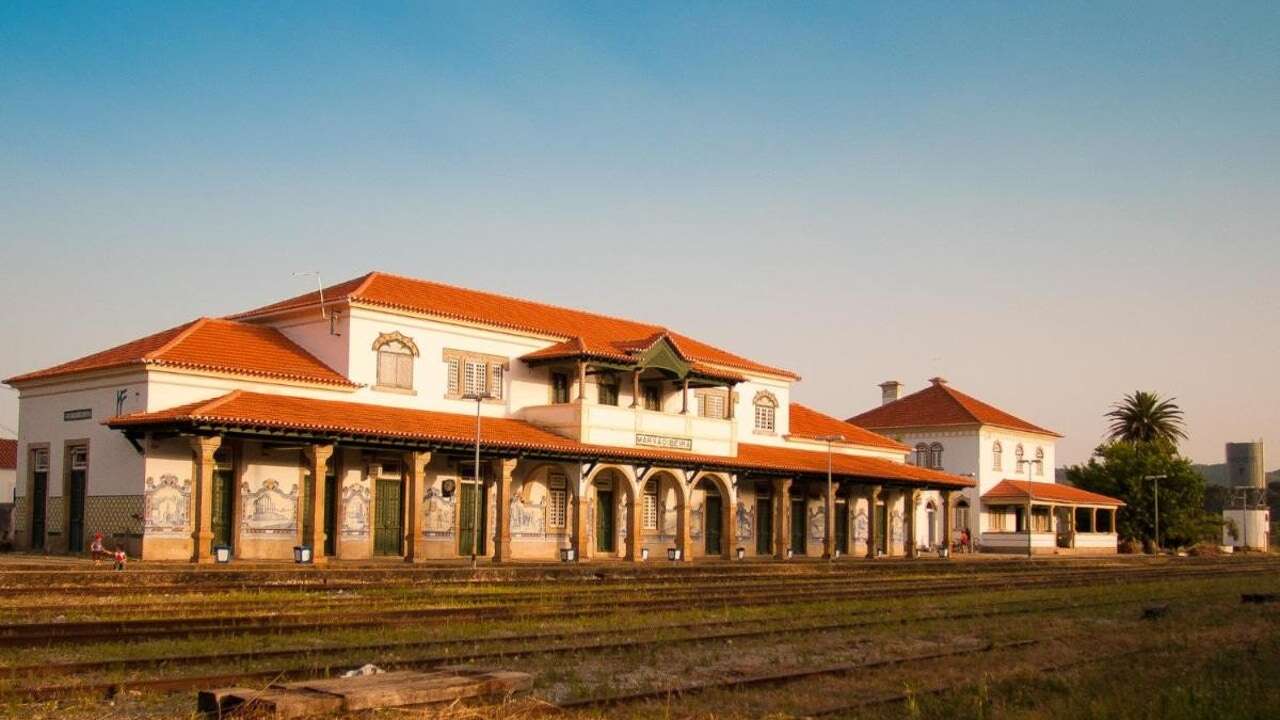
(811, 424)
(211, 345)
(1049, 492)
(941, 405)
(599, 334)
(260, 411)
(8, 454)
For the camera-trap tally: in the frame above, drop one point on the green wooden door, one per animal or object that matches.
(308, 502)
(222, 506)
(39, 503)
(764, 525)
(388, 531)
(712, 524)
(75, 511)
(842, 528)
(604, 521)
(882, 528)
(798, 522)
(467, 520)
(330, 515)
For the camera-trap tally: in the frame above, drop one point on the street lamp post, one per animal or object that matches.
(1027, 521)
(479, 397)
(831, 499)
(1156, 481)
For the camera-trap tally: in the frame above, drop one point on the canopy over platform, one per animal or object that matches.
(261, 415)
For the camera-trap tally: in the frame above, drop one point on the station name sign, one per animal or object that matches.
(80, 414)
(665, 442)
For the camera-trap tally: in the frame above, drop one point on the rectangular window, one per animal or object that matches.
(997, 519)
(556, 508)
(495, 380)
(608, 393)
(711, 406)
(651, 506)
(559, 388)
(40, 460)
(454, 370)
(475, 378)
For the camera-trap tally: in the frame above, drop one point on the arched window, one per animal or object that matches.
(935, 456)
(922, 455)
(766, 412)
(997, 456)
(1019, 456)
(395, 360)
(1040, 461)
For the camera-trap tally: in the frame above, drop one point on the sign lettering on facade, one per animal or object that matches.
(81, 414)
(665, 442)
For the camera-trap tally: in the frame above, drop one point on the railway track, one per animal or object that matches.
(559, 646)
(36, 634)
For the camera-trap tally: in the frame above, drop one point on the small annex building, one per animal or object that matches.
(1012, 464)
(346, 420)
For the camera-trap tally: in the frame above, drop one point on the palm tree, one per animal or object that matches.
(1144, 417)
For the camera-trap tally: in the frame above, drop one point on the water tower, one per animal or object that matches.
(1249, 520)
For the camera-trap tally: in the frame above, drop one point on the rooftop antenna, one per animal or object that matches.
(332, 318)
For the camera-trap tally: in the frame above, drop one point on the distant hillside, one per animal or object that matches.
(1217, 474)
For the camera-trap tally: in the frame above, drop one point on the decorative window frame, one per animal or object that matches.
(764, 399)
(497, 370)
(1039, 462)
(380, 344)
(920, 454)
(997, 456)
(935, 456)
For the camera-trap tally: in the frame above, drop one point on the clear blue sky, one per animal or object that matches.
(1049, 203)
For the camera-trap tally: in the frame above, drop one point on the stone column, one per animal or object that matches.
(318, 458)
(910, 499)
(829, 536)
(728, 403)
(202, 536)
(873, 496)
(635, 521)
(582, 520)
(502, 548)
(729, 521)
(684, 541)
(582, 381)
(635, 388)
(890, 501)
(946, 520)
(684, 396)
(782, 513)
(414, 480)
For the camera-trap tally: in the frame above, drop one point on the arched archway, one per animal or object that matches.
(615, 519)
(931, 523)
(711, 517)
(664, 513)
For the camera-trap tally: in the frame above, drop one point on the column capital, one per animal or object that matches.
(508, 466)
(318, 453)
(416, 460)
(206, 445)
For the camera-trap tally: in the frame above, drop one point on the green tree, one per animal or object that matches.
(1118, 469)
(1144, 417)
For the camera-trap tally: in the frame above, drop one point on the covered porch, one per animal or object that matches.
(1047, 518)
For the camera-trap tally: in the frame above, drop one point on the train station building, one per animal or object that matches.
(1012, 464)
(346, 421)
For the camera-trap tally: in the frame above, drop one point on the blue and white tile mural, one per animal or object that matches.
(817, 521)
(167, 506)
(438, 513)
(269, 510)
(746, 521)
(355, 510)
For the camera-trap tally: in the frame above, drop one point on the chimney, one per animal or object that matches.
(938, 380)
(890, 390)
